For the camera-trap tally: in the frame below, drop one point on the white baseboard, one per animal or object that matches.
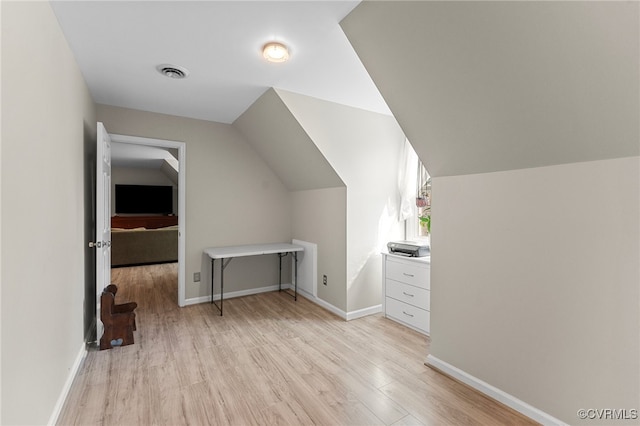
(347, 316)
(329, 307)
(73, 372)
(232, 294)
(364, 312)
(493, 392)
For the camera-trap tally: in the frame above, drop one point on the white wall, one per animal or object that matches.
(320, 216)
(318, 194)
(47, 115)
(0, 235)
(536, 282)
(232, 197)
(313, 144)
(484, 86)
(534, 270)
(364, 149)
(279, 139)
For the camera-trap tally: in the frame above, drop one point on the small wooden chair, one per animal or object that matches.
(123, 307)
(119, 320)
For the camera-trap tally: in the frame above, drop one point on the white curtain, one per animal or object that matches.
(407, 181)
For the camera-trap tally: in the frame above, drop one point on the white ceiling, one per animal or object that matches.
(139, 156)
(118, 45)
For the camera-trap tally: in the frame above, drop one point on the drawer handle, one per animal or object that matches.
(407, 294)
(409, 315)
(407, 275)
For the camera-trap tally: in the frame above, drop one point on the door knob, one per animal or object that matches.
(100, 244)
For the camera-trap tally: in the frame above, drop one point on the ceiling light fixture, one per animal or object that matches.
(173, 71)
(275, 52)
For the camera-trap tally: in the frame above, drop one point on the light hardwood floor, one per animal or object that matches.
(268, 361)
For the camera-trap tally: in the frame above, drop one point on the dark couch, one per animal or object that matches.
(144, 246)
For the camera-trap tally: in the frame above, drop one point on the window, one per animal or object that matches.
(418, 224)
(415, 187)
(423, 201)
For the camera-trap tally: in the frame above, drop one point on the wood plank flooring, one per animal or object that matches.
(268, 361)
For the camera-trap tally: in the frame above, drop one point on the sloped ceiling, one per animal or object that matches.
(276, 135)
(118, 44)
(489, 86)
(141, 156)
(146, 157)
(361, 146)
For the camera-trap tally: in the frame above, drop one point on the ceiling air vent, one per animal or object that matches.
(172, 71)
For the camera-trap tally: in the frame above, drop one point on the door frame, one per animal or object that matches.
(182, 217)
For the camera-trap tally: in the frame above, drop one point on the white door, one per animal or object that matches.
(103, 219)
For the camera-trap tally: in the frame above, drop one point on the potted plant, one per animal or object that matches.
(425, 222)
(423, 202)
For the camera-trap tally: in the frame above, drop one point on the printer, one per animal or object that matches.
(409, 248)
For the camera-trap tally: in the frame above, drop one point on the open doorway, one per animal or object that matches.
(150, 165)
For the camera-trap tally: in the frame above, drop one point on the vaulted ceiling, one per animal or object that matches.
(476, 86)
(489, 86)
(118, 45)
(285, 145)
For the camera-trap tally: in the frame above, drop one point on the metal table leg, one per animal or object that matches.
(295, 268)
(223, 265)
(213, 261)
(213, 272)
(280, 256)
(295, 258)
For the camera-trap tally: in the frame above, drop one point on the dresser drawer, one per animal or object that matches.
(416, 296)
(408, 272)
(408, 314)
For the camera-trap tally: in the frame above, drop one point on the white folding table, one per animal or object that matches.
(227, 254)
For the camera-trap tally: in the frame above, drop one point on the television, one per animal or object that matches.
(144, 199)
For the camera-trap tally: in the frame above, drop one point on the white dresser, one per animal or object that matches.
(406, 291)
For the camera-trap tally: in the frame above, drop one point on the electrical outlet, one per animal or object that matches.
(196, 277)
(324, 279)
